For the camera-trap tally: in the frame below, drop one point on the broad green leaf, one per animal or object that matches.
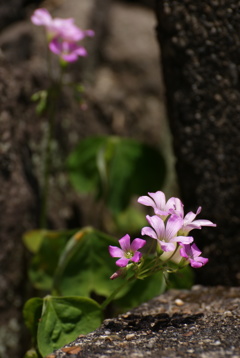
(82, 165)
(115, 169)
(142, 291)
(32, 312)
(33, 239)
(130, 220)
(183, 278)
(134, 169)
(44, 262)
(85, 265)
(65, 318)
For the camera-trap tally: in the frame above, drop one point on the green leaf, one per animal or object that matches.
(41, 97)
(184, 278)
(142, 291)
(65, 318)
(44, 263)
(82, 165)
(130, 220)
(31, 353)
(32, 312)
(115, 169)
(33, 239)
(134, 169)
(85, 265)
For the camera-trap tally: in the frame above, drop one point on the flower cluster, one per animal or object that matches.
(63, 35)
(170, 227)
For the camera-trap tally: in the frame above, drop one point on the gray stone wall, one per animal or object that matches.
(200, 42)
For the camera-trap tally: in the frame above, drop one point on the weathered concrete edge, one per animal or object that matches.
(202, 322)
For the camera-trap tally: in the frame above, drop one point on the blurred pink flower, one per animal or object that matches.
(63, 35)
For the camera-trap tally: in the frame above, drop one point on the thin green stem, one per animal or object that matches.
(53, 96)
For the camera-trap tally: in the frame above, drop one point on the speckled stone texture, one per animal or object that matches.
(200, 42)
(202, 323)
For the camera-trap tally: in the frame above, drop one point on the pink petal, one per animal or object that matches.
(189, 218)
(41, 17)
(115, 251)
(89, 33)
(183, 239)
(158, 225)
(148, 231)
(195, 251)
(185, 251)
(71, 57)
(174, 223)
(159, 198)
(137, 256)
(175, 206)
(81, 51)
(137, 244)
(125, 243)
(122, 262)
(145, 200)
(201, 261)
(55, 46)
(161, 212)
(202, 222)
(167, 246)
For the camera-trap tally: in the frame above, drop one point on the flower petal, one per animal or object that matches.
(55, 46)
(159, 198)
(183, 239)
(148, 231)
(201, 261)
(122, 262)
(167, 246)
(158, 225)
(125, 243)
(145, 200)
(174, 223)
(136, 257)
(115, 251)
(203, 222)
(41, 17)
(137, 244)
(189, 217)
(175, 206)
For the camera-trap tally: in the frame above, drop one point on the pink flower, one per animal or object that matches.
(41, 17)
(167, 235)
(189, 223)
(63, 35)
(68, 51)
(162, 207)
(128, 251)
(192, 254)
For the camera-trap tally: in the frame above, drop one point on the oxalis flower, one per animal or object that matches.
(128, 252)
(192, 254)
(62, 34)
(166, 235)
(162, 207)
(189, 222)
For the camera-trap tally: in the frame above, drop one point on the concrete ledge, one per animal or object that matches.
(203, 322)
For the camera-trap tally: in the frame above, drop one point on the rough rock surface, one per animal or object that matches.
(200, 44)
(201, 323)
